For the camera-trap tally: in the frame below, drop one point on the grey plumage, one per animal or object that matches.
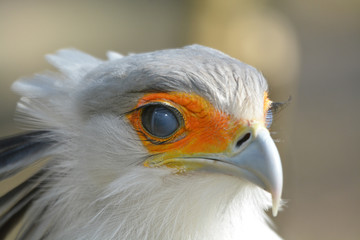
(93, 185)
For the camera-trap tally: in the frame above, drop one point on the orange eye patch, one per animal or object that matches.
(203, 129)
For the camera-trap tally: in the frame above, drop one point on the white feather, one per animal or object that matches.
(113, 55)
(99, 188)
(72, 63)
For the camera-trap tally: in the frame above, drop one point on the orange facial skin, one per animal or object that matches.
(204, 129)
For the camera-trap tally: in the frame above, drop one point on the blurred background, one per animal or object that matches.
(309, 50)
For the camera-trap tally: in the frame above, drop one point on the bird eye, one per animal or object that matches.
(160, 121)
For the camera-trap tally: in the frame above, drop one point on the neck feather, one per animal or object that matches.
(153, 204)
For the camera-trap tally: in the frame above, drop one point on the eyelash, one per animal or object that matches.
(275, 108)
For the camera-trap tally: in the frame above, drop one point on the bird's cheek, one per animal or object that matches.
(200, 144)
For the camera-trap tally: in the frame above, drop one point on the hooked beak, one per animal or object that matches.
(258, 162)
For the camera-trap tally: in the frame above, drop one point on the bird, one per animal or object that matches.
(169, 144)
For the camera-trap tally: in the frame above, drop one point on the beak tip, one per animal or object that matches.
(275, 210)
(275, 204)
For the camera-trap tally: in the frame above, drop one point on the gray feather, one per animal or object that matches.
(87, 182)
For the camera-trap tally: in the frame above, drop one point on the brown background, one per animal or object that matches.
(307, 49)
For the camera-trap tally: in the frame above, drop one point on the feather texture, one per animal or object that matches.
(22, 159)
(95, 186)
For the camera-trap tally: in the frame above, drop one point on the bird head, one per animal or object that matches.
(176, 116)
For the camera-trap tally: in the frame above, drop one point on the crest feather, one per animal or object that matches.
(111, 55)
(73, 63)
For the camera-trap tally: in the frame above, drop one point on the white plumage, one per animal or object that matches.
(96, 185)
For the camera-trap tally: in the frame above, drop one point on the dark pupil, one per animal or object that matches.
(159, 121)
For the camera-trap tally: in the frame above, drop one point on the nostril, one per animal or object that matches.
(243, 139)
